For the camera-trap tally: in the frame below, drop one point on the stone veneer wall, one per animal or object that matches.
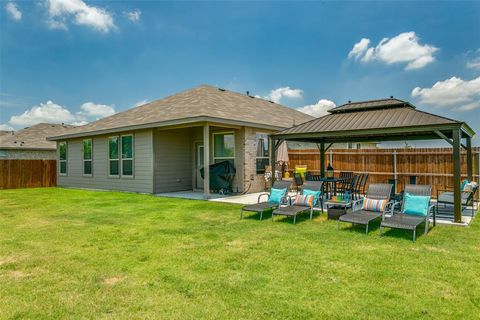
(27, 154)
(249, 165)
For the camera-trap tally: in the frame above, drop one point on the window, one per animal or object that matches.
(359, 146)
(224, 147)
(113, 152)
(350, 145)
(62, 157)
(262, 157)
(87, 157)
(127, 155)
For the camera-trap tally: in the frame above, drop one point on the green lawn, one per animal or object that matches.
(82, 254)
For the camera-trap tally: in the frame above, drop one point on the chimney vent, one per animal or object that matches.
(248, 93)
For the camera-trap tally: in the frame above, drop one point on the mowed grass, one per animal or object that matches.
(85, 254)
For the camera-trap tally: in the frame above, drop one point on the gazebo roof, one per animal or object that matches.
(382, 120)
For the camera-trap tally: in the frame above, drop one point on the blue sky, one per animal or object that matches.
(76, 61)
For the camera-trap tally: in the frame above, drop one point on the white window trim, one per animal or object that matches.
(84, 160)
(268, 157)
(118, 157)
(132, 158)
(60, 161)
(234, 146)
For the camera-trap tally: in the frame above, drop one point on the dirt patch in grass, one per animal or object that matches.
(7, 260)
(18, 274)
(112, 281)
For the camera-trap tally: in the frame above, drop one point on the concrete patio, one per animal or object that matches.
(251, 198)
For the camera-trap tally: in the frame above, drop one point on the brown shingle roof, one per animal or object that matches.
(5, 132)
(34, 137)
(386, 117)
(200, 102)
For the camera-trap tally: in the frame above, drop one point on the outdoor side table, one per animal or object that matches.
(335, 209)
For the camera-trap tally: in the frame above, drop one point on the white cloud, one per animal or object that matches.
(140, 103)
(319, 109)
(285, 92)
(5, 127)
(79, 123)
(134, 15)
(13, 11)
(454, 92)
(45, 112)
(60, 10)
(51, 112)
(359, 48)
(90, 109)
(403, 48)
(474, 63)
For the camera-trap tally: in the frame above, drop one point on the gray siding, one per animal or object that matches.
(173, 160)
(142, 180)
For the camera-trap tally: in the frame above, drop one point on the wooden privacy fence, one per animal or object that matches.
(432, 166)
(27, 173)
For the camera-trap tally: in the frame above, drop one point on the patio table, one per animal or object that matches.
(331, 184)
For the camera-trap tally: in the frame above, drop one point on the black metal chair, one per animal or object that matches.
(297, 178)
(345, 184)
(400, 220)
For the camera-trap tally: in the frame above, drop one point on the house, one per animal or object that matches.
(162, 145)
(31, 142)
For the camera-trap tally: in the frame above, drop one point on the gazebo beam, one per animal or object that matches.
(322, 159)
(457, 192)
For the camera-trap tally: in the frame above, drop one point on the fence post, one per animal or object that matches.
(395, 176)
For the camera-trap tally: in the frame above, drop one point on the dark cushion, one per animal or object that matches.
(360, 217)
(260, 207)
(447, 197)
(290, 210)
(403, 221)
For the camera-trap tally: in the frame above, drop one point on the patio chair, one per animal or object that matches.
(406, 221)
(467, 197)
(345, 184)
(293, 209)
(361, 183)
(298, 179)
(358, 215)
(262, 206)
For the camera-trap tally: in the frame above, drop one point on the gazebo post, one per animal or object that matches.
(322, 160)
(273, 154)
(469, 159)
(457, 193)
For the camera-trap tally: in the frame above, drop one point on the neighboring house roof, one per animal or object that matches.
(5, 132)
(366, 116)
(203, 103)
(34, 137)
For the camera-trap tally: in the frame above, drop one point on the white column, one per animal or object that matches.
(206, 161)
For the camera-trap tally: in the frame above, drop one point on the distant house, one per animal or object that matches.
(31, 142)
(162, 145)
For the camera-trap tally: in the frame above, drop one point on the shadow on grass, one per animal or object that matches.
(374, 227)
(301, 217)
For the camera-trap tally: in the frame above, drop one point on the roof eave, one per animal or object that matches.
(370, 131)
(165, 124)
